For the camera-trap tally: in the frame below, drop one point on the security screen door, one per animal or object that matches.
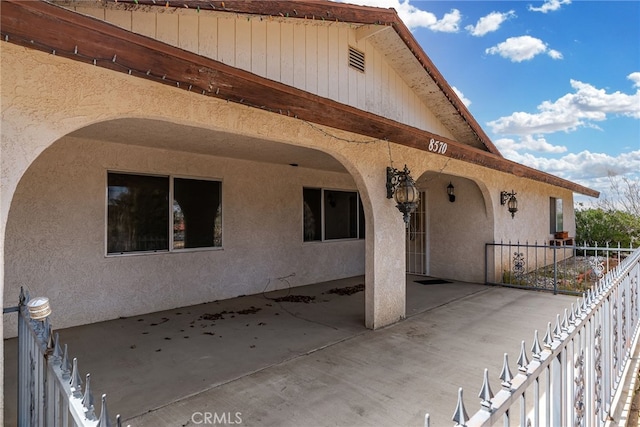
(418, 239)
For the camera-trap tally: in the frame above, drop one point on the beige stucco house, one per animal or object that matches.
(158, 154)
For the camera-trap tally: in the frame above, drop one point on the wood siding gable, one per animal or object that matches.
(310, 55)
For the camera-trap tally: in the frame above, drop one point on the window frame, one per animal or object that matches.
(171, 198)
(323, 238)
(170, 223)
(556, 210)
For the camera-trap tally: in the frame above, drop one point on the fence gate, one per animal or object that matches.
(51, 391)
(417, 239)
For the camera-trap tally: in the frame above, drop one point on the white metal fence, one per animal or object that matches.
(558, 267)
(575, 376)
(51, 392)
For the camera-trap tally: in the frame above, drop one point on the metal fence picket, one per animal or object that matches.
(575, 376)
(50, 388)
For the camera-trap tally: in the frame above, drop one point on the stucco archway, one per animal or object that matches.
(55, 234)
(48, 101)
(458, 230)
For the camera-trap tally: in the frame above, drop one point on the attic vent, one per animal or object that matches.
(356, 59)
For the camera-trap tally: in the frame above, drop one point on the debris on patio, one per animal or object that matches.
(251, 310)
(220, 315)
(349, 290)
(295, 298)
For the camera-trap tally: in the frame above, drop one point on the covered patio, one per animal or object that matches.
(303, 357)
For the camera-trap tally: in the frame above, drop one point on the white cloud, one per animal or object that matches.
(554, 54)
(549, 6)
(463, 98)
(414, 17)
(489, 23)
(509, 147)
(635, 78)
(523, 48)
(448, 24)
(593, 170)
(571, 111)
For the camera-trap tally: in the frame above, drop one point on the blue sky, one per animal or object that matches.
(554, 83)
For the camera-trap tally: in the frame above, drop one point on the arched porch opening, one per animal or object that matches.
(447, 239)
(58, 225)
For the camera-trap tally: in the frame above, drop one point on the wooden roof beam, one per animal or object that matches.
(47, 27)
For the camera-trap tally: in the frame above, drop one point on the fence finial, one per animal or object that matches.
(49, 334)
(536, 350)
(557, 332)
(104, 414)
(523, 361)
(57, 352)
(506, 376)
(87, 399)
(547, 337)
(572, 315)
(578, 309)
(65, 365)
(485, 392)
(460, 415)
(76, 381)
(565, 321)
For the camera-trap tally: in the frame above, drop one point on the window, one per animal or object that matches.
(332, 215)
(555, 215)
(138, 213)
(196, 213)
(140, 216)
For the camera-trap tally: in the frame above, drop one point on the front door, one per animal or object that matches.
(418, 239)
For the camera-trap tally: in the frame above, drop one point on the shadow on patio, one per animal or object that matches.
(303, 356)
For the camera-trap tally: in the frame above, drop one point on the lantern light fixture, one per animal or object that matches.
(402, 187)
(450, 192)
(510, 200)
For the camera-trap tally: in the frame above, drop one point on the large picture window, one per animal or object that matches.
(160, 213)
(332, 215)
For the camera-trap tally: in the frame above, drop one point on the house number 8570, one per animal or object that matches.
(436, 146)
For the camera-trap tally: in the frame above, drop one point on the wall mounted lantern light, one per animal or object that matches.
(452, 196)
(402, 187)
(510, 200)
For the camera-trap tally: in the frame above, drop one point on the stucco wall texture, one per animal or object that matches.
(55, 239)
(46, 102)
(56, 234)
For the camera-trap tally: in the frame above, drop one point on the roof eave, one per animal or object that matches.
(47, 27)
(341, 12)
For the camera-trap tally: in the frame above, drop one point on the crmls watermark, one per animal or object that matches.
(216, 418)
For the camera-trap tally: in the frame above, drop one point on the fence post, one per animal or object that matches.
(486, 263)
(555, 271)
(47, 394)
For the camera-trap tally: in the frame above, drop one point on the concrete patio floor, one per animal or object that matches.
(264, 362)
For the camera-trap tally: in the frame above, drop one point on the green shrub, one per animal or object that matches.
(598, 226)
